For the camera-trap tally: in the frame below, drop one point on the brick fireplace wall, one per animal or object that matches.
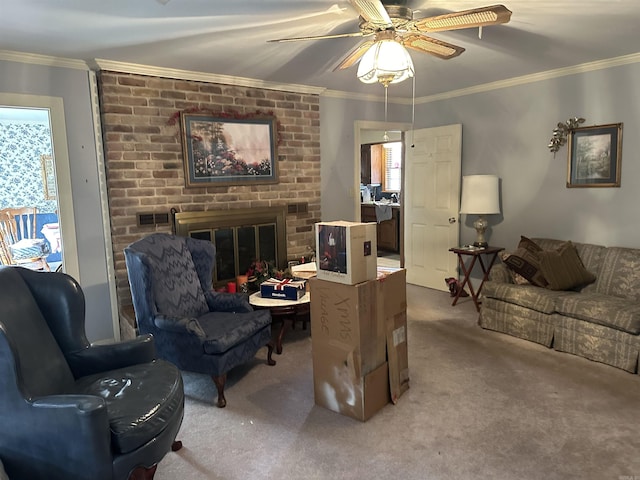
(143, 156)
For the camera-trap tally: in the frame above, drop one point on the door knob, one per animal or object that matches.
(452, 219)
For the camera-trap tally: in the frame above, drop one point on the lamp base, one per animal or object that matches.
(480, 225)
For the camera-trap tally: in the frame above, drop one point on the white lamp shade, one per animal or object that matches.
(480, 194)
(386, 61)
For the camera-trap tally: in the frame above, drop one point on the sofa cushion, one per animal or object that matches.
(524, 261)
(613, 312)
(563, 269)
(141, 400)
(225, 330)
(529, 296)
(620, 275)
(518, 321)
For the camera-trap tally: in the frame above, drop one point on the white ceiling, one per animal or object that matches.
(229, 37)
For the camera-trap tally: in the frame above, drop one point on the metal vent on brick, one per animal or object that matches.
(149, 219)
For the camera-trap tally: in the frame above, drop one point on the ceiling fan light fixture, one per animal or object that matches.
(386, 62)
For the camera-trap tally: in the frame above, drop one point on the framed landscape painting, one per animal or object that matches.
(595, 154)
(228, 151)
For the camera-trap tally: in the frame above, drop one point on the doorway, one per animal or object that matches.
(425, 254)
(35, 172)
(367, 132)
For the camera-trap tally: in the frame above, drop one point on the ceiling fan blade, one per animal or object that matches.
(372, 11)
(429, 45)
(476, 17)
(354, 55)
(319, 37)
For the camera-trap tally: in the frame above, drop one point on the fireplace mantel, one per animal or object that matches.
(240, 236)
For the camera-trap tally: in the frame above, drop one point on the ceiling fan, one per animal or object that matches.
(392, 19)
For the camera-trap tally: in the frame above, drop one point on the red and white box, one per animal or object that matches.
(286, 289)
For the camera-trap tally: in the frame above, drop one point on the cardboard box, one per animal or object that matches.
(346, 251)
(345, 317)
(392, 305)
(286, 289)
(337, 387)
(354, 330)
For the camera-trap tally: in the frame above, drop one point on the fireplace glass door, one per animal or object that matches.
(239, 240)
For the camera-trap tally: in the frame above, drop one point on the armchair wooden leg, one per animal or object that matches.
(220, 380)
(143, 473)
(270, 360)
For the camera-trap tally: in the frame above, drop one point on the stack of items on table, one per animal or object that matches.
(358, 323)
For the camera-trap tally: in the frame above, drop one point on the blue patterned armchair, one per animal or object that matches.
(195, 328)
(70, 409)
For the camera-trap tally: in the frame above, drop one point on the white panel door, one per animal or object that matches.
(431, 204)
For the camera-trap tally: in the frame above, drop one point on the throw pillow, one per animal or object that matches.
(524, 261)
(516, 277)
(563, 269)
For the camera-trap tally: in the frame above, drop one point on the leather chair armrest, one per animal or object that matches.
(76, 404)
(72, 432)
(228, 302)
(101, 358)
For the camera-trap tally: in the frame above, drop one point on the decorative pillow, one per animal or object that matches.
(524, 261)
(563, 269)
(516, 277)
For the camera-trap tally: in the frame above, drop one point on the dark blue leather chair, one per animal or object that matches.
(195, 328)
(69, 409)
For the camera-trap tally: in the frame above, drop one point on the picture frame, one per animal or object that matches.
(224, 150)
(48, 177)
(595, 155)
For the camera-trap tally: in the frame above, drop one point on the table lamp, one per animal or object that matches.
(480, 196)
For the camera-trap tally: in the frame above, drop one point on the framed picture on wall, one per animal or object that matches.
(228, 151)
(595, 154)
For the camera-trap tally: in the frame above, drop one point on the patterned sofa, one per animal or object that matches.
(599, 321)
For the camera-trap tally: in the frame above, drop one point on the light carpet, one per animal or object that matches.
(482, 405)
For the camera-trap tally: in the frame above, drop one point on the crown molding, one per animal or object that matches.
(534, 77)
(123, 67)
(178, 74)
(46, 60)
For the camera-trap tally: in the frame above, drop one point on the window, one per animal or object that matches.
(392, 167)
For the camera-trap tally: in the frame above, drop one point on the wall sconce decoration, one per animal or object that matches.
(561, 132)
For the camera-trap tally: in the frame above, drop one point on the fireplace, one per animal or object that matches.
(240, 236)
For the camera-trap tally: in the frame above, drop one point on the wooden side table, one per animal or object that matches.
(283, 311)
(490, 254)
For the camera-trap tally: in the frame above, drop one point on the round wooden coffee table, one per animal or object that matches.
(284, 311)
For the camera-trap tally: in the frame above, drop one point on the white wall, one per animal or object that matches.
(72, 85)
(506, 132)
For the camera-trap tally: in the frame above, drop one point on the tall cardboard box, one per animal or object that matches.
(391, 297)
(346, 252)
(350, 373)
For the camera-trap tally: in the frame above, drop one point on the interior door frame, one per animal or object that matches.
(359, 126)
(66, 215)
